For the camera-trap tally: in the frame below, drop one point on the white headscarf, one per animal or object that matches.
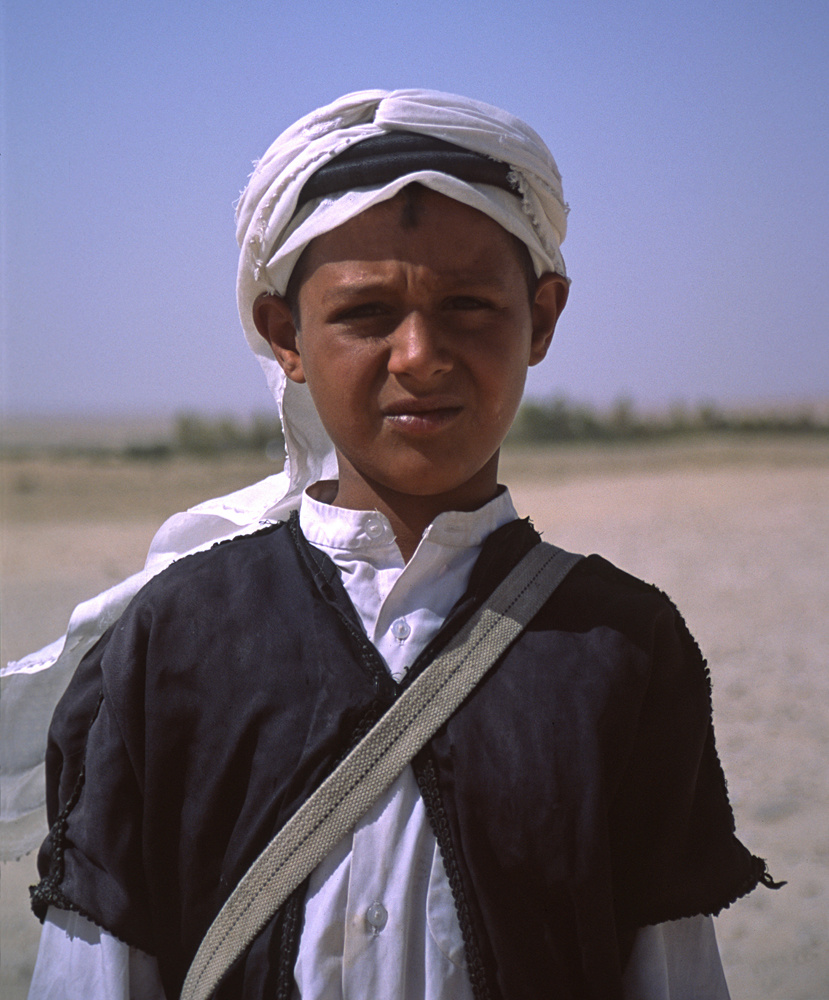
(272, 235)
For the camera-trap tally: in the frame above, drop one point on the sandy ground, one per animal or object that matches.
(737, 534)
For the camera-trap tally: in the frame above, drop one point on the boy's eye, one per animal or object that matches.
(467, 302)
(363, 310)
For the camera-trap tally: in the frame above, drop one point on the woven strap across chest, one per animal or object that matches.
(374, 764)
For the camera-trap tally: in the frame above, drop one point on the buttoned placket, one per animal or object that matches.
(375, 891)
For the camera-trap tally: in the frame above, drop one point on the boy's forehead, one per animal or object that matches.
(420, 227)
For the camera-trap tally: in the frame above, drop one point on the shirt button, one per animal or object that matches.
(374, 528)
(376, 917)
(401, 629)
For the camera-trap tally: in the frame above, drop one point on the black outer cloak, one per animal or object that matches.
(576, 795)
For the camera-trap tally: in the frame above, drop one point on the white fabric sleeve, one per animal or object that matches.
(77, 960)
(677, 960)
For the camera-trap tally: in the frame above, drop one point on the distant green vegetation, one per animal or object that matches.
(198, 436)
(556, 421)
(208, 437)
(560, 420)
(551, 422)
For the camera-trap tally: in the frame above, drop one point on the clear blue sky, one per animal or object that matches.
(693, 139)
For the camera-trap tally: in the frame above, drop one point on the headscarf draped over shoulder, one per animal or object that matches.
(276, 220)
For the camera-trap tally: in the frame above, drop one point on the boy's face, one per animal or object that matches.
(416, 334)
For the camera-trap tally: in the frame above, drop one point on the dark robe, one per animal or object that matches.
(576, 795)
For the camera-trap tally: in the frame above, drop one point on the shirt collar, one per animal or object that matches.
(330, 527)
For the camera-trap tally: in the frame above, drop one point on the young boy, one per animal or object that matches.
(567, 832)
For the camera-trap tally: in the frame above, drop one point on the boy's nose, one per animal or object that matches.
(418, 348)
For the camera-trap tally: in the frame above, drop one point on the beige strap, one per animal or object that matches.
(373, 765)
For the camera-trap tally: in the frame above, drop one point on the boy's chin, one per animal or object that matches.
(436, 488)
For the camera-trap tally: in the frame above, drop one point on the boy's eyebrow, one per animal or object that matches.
(493, 279)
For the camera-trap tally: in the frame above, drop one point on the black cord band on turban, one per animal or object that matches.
(384, 158)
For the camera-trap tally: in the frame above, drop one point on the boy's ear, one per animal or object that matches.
(274, 321)
(548, 304)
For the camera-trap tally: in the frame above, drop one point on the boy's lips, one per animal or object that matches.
(422, 413)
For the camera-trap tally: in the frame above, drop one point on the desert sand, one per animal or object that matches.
(736, 532)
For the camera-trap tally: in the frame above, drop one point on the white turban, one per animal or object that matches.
(272, 234)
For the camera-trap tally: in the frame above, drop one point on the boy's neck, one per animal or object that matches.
(411, 514)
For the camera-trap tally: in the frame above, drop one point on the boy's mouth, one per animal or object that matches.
(422, 414)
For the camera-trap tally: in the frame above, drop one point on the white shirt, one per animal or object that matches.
(379, 917)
